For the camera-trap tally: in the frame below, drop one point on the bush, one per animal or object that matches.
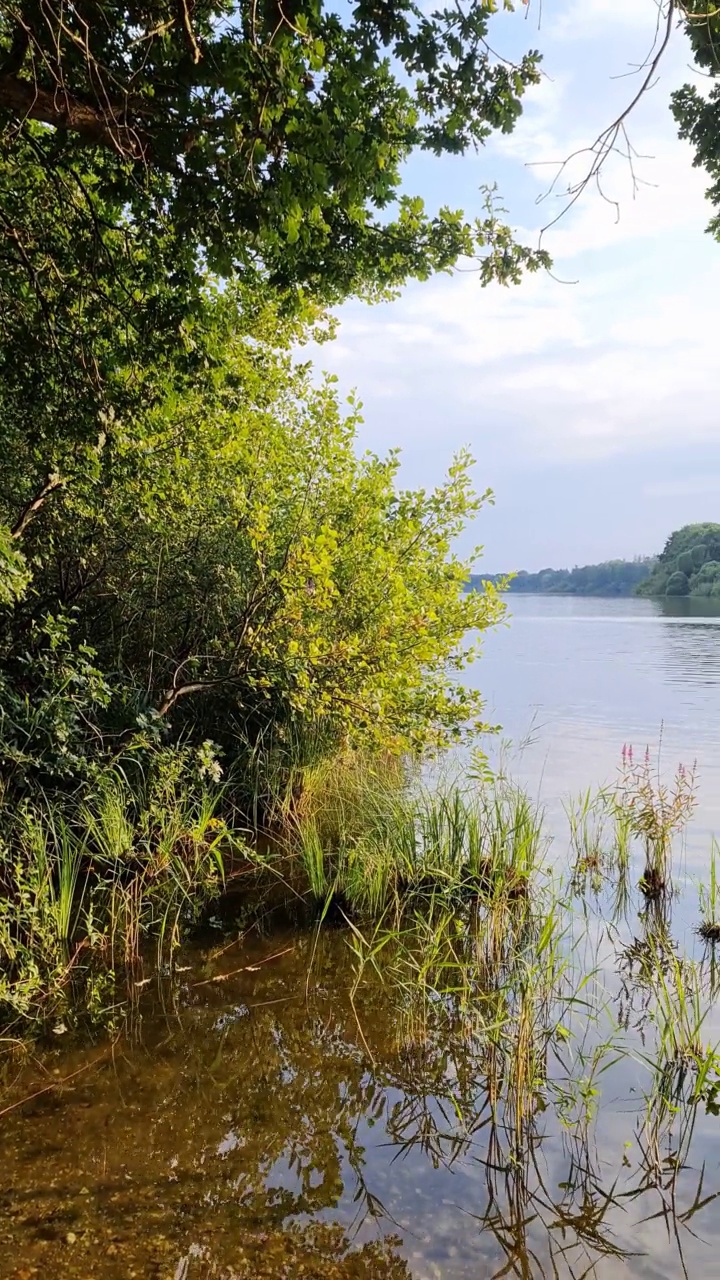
(707, 580)
(14, 573)
(246, 577)
(678, 585)
(219, 576)
(51, 693)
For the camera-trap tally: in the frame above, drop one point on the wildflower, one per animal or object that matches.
(208, 764)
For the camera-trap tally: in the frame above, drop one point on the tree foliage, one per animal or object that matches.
(688, 564)
(14, 575)
(223, 565)
(246, 137)
(697, 110)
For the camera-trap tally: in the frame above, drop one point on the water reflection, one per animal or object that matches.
(686, 607)
(275, 1126)
(692, 653)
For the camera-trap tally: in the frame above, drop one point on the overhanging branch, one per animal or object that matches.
(63, 111)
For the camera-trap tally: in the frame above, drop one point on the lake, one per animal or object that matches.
(263, 1115)
(571, 680)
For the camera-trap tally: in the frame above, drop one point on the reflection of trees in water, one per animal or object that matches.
(205, 1147)
(691, 651)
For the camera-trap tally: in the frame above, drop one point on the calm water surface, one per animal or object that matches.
(274, 1124)
(575, 679)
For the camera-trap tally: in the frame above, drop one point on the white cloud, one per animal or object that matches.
(698, 485)
(622, 363)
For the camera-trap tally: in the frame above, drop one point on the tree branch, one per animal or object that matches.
(180, 691)
(607, 142)
(30, 510)
(189, 33)
(60, 109)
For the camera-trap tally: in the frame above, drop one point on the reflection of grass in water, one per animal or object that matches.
(544, 1026)
(497, 1007)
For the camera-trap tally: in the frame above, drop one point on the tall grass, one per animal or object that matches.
(710, 900)
(86, 886)
(654, 811)
(587, 816)
(369, 836)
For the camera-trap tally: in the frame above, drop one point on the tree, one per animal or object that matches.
(677, 584)
(613, 578)
(686, 565)
(707, 581)
(258, 136)
(697, 112)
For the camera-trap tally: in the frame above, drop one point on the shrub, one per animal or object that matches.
(678, 585)
(247, 577)
(707, 580)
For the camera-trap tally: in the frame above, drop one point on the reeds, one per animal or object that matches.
(371, 837)
(709, 928)
(654, 811)
(85, 887)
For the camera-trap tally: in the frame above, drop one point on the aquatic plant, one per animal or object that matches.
(654, 811)
(85, 886)
(709, 928)
(370, 837)
(587, 816)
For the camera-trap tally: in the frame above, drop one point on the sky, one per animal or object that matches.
(587, 396)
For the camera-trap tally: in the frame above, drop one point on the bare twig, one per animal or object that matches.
(245, 968)
(606, 142)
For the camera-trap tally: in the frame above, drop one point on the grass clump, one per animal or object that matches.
(587, 817)
(654, 812)
(369, 835)
(86, 885)
(709, 928)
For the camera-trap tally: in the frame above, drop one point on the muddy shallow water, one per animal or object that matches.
(269, 1126)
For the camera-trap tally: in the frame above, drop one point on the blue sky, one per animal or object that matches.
(589, 397)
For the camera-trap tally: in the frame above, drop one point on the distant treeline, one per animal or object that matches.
(612, 578)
